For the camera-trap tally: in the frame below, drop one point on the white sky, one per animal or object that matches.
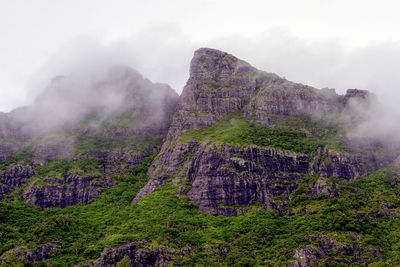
(334, 43)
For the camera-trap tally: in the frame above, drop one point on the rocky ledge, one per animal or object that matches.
(37, 254)
(332, 252)
(137, 255)
(72, 189)
(224, 179)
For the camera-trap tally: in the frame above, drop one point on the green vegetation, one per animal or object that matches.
(364, 213)
(329, 132)
(165, 218)
(25, 154)
(126, 120)
(239, 131)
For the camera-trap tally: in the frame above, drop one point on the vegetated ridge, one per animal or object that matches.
(244, 168)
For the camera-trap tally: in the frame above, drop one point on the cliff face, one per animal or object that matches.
(222, 176)
(219, 84)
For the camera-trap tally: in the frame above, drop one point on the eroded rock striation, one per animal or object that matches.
(222, 176)
(70, 190)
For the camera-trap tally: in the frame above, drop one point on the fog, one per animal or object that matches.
(89, 98)
(163, 54)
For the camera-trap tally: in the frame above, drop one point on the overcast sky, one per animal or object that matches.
(323, 43)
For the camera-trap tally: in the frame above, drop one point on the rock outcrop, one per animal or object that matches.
(327, 164)
(70, 190)
(278, 96)
(15, 175)
(331, 251)
(219, 84)
(47, 152)
(81, 188)
(221, 176)
(138, 256)
(37, 254)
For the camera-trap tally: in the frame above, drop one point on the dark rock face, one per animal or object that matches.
(278, 96)
(115, 162)
(307, 256)
(39, 253)
(78, 188)
(70, 190)
(219, 84)
(343, 165)
(331, 251)
(138, 256)
(14, 176)
(357, 94)
(220, 179)
(222, 176)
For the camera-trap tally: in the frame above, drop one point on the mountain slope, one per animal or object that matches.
(254, 170)
(80, 134)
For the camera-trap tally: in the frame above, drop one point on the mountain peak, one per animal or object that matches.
(208, 63)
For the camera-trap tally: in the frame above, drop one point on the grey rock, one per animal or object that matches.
(37, 254)
(329, 249)
(219, 84)
(15, 175)
(307, 256)
(71, 190)
(344, 165)
(223, 176)
(140, 257)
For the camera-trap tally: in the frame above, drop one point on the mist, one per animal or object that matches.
(162, 53)
(93, 97)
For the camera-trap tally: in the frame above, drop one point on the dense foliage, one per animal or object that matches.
(165, 218)
(299, 134)
(364, 213)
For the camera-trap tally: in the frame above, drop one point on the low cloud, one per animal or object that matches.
(162, 53)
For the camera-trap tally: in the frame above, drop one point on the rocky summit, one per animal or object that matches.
(244, 168)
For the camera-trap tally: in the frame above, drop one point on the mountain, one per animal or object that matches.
(243, 168)
(116, 119)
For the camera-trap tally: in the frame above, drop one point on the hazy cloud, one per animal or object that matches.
(160, 53)
(323, 64)
(163, 53)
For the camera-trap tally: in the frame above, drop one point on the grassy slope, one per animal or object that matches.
(254, 238)
(237, 130)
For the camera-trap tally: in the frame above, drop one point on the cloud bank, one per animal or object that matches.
(163, 54)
